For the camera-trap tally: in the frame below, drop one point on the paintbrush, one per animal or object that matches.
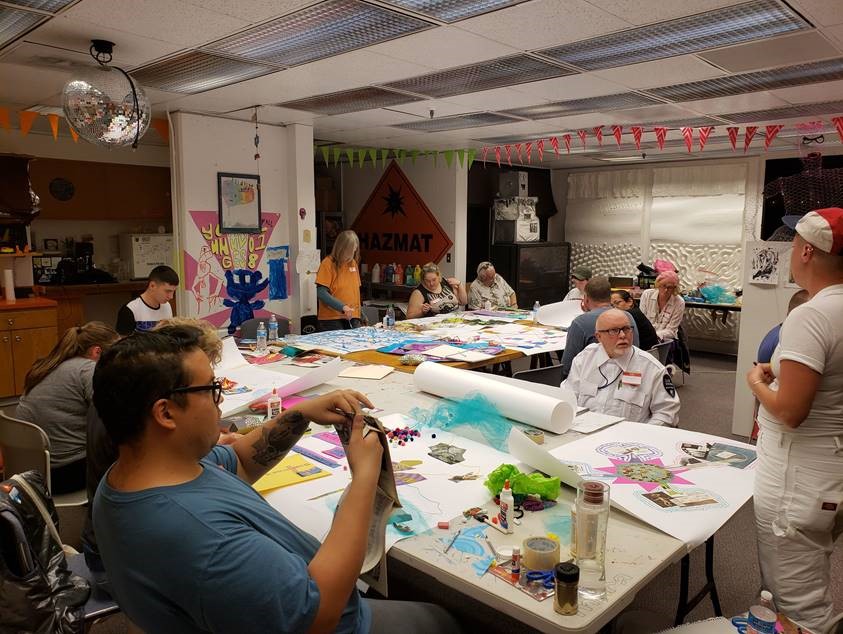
(451, 543)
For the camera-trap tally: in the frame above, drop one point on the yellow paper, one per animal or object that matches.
(293, 469)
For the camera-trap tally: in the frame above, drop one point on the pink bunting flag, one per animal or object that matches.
(598, 132)
(567, 139)
(540, 149)
(518, 152)
(617, 132)
(581, 134)
(637, 131)
(498, 154)
(733, 136)
(528, 150)
(838, 125)
(688, 133)
(810, 127)
(483, 153)
(508, 150)
(749, 133)
(661, 135)
(704, 134)
(771, 132)
(554, 143)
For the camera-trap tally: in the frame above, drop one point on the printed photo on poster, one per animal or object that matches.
(765, 266)
(239, 197)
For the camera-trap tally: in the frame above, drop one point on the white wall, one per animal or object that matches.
(444, 190)
(204, 145)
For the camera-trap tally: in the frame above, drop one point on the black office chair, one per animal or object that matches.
(551, 375)
(99, 604)
(249, 328)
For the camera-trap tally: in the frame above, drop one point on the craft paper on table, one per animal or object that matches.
(353, 340)
(293, 469)
(518, 403)
(559, 314)
(537, 457)
(444, 350)
(589, 422)
(470, 356)
(654, 474)
(376, 372)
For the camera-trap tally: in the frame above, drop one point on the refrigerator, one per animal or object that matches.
(142, 252)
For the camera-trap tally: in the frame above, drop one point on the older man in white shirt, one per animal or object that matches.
(490, 290)
(614, 377)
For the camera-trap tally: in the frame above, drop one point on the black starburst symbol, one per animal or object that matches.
(394, 202)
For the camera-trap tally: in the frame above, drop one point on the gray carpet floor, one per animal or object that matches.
(707, 398)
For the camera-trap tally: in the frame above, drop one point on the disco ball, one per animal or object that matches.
(99, 106)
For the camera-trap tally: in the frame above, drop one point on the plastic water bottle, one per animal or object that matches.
(376, 273)
(261, 337)
(389, 318)
(536, 307)
(592, 521)
(273, 329)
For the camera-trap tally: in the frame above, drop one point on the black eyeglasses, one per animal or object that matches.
(215, 388)
(614, 332)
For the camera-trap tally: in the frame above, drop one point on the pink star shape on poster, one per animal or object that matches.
(649, 475)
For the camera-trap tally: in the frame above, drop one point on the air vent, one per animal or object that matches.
(723, 27)
(798, 75)
(575, 106)
(519, 138)
(828, 107)
(44, 5)
(322, 30)
(697, 122)
(14, 23)
(196, 71)
(457, 122)
(452, 10)
(350, 101)
(495, 73)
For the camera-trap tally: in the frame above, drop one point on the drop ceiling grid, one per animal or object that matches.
(452, 10)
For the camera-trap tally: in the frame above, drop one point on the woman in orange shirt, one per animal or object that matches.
(338, 285)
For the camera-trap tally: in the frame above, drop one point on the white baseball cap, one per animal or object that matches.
(822, 228)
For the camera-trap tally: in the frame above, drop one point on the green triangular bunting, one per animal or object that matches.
(326, 154)
(337, 152)
(449, 157)
(471, 154)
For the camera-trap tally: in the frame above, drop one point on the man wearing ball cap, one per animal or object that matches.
(799, 479)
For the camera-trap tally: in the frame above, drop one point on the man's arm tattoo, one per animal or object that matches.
(277, 440)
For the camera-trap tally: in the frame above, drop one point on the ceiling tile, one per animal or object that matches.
(440, 107)
(452, 10)
(826, 91)
(369, 118)
(543, 23)
(274, 114)
(643, 11)
(572, 86)
(835, 34)
(45, 5)
(736, 103)
(456, 122)
(363, 135)
(30, 54)
(253, 10)
(75, 35)
(788, 112)
(780, 51)
(662, 112)
(14, 23)
(821, 12)
(196, 71)
(29, 85)
(443, 47)
(497, 99)
(672, 70)
(354, 100)
(604, 104)
(168, 20)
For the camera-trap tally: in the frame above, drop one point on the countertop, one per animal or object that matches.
(67, 290)
(28, 303)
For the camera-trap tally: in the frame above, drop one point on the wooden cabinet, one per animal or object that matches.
(85, 190)
(27, 333)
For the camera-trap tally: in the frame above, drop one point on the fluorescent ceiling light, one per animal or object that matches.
(43, 5)
(713, 29)
(452, 10)
(354, 100)
(14, 23)
(321, 30)
(605, 103)
(196, 71)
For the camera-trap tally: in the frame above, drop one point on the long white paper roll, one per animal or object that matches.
(559, 313)
(9, 284)
(528, 452)
(518, 403)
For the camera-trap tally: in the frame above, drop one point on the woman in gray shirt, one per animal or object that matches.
(57, 394)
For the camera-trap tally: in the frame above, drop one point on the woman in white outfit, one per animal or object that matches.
(663, 306)
(799, 481)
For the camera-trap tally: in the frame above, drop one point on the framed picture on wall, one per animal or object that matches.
(239, 197)
(332, 226)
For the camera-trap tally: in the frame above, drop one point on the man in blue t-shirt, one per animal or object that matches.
(771, 339)
(188, 544)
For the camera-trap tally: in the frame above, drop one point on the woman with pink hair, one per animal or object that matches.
(663, 306)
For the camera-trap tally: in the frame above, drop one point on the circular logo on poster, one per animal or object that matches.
(62, 189)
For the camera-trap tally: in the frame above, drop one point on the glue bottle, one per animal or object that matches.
(273, 405)
(507, 508)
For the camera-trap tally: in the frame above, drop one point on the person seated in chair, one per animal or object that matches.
(189, 545)
(615, 377)
(646, 333)
(153, 305)
(663, 306)
(436, 295)
(492, 288)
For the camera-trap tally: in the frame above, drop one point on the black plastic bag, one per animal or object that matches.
(38, 593)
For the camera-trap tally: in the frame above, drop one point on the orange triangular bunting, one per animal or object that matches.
(54, 125)
(73, 134)
(27, 118)
(162, 127)
(4, 119)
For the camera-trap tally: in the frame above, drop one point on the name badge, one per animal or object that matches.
(633, 379)
(352, 270)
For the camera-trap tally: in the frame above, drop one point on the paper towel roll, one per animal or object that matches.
(9, 285)
(518, 403)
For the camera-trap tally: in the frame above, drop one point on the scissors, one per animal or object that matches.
(545, 577)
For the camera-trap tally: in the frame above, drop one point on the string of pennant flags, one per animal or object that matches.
(360, 156)
(27, 118)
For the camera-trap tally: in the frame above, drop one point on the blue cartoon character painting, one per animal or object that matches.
(242, 292)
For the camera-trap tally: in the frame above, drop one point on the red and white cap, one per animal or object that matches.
(822, 228)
